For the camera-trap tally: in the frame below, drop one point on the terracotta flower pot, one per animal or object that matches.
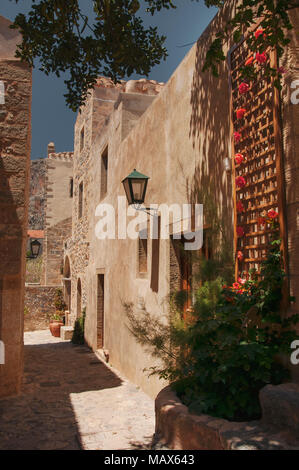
(55, 328)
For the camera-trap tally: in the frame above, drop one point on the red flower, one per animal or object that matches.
(249, 61)
(239, 158)
(243, 88)
(240, 113)
(241, 281)
(272, 214)
(259, 32)
(240, 207)
(261, 221)
(240, 256)
(237, 136)
(261, 58)
(236, 285)
(240, 182)
(240, 232)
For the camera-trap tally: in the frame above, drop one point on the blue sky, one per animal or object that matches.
(53, 121)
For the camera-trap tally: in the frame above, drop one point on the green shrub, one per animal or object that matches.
(26, 311)
(59, 303)
(78, 334)
(227, 351)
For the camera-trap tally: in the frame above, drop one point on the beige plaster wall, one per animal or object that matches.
(180, 142)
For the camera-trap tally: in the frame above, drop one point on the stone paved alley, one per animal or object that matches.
(72, 400)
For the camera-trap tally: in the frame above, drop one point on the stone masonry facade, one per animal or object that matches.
(15, 141)
(40, 307)
(58, 213)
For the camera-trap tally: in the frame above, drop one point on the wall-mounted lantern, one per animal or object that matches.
(135, 187)
(35, 246)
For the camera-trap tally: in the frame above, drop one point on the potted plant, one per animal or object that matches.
(57, 320)
(55, 324)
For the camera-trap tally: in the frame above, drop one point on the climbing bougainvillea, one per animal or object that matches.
(240, 182)
(261, 58)
(241, 113)
(239, 158)
(244, 88)
(260, 221)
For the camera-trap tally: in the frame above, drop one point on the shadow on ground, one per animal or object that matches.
(69, 400)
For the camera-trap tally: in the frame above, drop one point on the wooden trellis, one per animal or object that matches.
(262, 169)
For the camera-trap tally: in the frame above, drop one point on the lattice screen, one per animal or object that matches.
(260, 146)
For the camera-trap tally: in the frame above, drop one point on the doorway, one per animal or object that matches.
(100, 310)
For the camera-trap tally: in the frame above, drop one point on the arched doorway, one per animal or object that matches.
(67, 283)
(79, 299)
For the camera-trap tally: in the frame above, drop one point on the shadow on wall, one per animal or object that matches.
(12, 249)
(210, 134)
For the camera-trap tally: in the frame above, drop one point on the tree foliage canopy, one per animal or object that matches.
(115, 42)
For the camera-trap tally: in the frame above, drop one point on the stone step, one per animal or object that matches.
(66, 333)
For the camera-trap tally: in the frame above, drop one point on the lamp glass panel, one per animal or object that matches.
(35, 246)
(138, 189)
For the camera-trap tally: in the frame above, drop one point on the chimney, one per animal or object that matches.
(51, 148)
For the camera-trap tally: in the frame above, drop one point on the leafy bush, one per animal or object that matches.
(59, 303)
(227, 351)
(26, 311)
(78, 334)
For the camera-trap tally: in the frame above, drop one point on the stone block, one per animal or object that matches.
(66, 333)
(280, 406)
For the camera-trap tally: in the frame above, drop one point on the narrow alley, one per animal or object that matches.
(71, 400)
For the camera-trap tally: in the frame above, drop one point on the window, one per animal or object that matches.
(80, 200)
(142, 252)
(71, 187)
(104, 173)
(82, 138)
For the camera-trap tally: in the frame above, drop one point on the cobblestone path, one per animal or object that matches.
(72, 400)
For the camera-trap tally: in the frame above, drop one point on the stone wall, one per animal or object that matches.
(54, 251)
(59, 199)
(15, 141)
(37, 195)
(39, 307)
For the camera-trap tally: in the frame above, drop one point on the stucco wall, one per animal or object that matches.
(290, 127)
(180, 140)
(182, 149)
(15, 141)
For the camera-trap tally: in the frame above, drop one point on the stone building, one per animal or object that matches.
(37, 194)
(15, 142)
(51, 196)
(58, 213)
(180, 135)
